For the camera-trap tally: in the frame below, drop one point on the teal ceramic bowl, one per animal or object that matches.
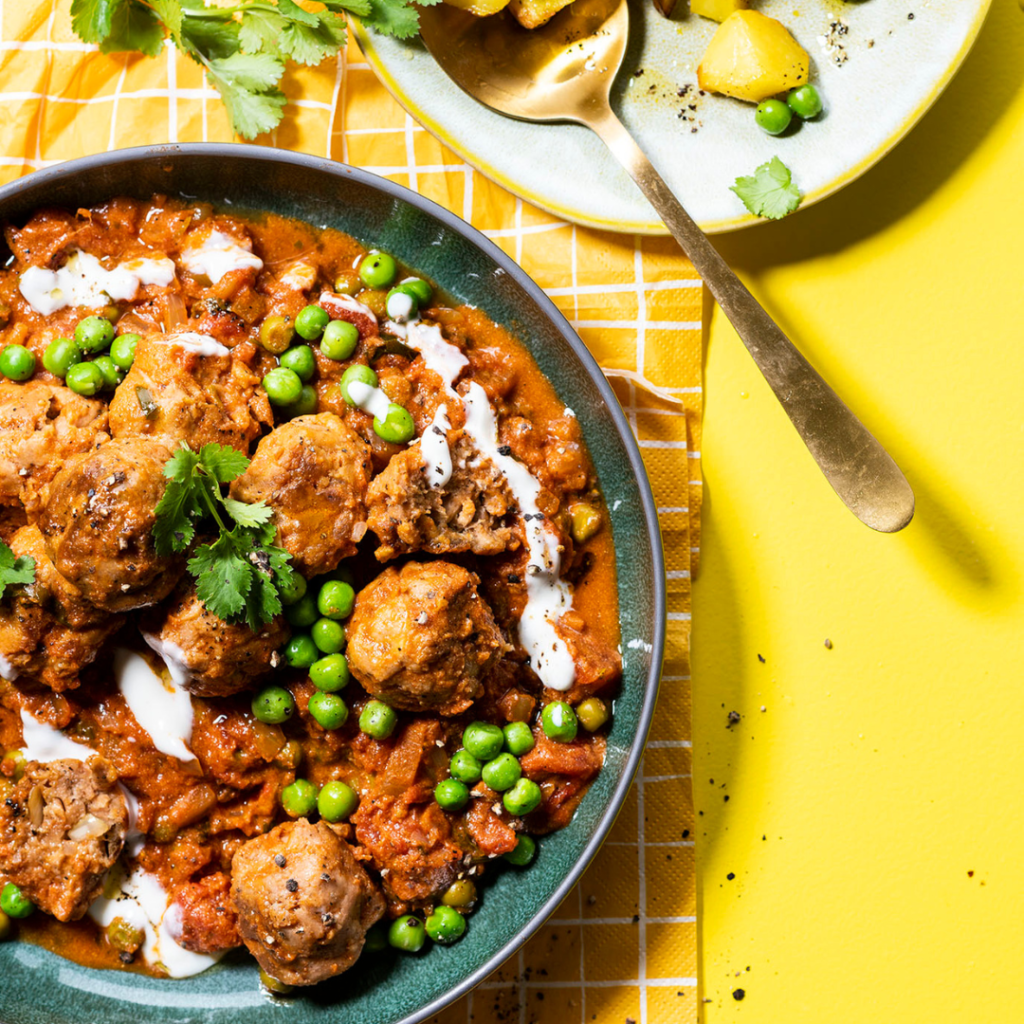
(37, 987)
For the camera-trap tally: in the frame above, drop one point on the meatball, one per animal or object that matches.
(422, 638)
(61, 828)
(188, 387)
(200, 916)
(216, 657)
(314, 471)
(98, 521)
(472, 512)
(41, 426)
(48, 631)
(304, 902)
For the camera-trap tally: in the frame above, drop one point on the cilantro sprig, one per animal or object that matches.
(15, 570)
(243, 46)
(770, 191)
(239, 575)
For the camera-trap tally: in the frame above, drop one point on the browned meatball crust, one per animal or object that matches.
(48, 631)
(422, 638)
(472, 512)
(219, 658)
(304, 902)
(313, 471)
(195, 397)
(41, 426)
(98, 524)
(60, 830)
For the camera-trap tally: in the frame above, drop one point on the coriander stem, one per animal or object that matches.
(213, 508)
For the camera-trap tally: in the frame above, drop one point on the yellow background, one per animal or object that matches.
(885, 770)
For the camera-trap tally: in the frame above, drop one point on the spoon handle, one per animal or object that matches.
(859, 469)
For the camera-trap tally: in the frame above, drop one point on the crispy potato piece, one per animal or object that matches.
(481, 8)
(534, 13)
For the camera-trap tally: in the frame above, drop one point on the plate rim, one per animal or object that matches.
(38, 180)
(657, 228)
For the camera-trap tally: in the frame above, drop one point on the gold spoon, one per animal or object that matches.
(564, 71)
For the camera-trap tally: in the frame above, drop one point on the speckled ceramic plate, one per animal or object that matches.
(879, 65)
(37, 987)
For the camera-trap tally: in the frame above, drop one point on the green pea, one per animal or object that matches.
(282, 386)
(300, 359)
(14, 902)
(303, 612)
(397, 428)
(445, 925)
(122, 351)
(112, 373)
(804, 101)
(377, 270)
(407, 934)
(305, 405)
(271, 984)
(273, 705)
(524, 797)
(378, 720)
(94, 334)
(330, 673)
(310, 323)
(559, 721)
(451, 795)
(60, 355)
(340, 340)
(501, 773)
(592, 713)
(299, 798)
(328, 709)
(417, 287)
(523, 853)
(328, 635)
(276, 333)
(336, 599)
(773, 116)
(518, 738)
(336, 801)
(347, 283)
(483, 740)
(376, 938)
(85, 379)
(401, 305)
(360, 373)
(292, 590)
(301, 652)
(17, 362)
(461, 893)
(464, 767)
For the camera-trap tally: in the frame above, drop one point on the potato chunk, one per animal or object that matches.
(717, 10)
(534, 13)
(752, 57)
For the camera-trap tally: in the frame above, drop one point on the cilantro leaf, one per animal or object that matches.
(174, 528)
(205, 39)
(253, 72)
(290, 9)
(134, 26)
(223, 462)
(260, 30)
(15, 570)
(248, 515)
(169, 12)
(394, 18)
(91, 19)
(307, 45)
(770, 191)
(360, 8)
(223, 576)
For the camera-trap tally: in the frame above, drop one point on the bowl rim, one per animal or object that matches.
(266, 154)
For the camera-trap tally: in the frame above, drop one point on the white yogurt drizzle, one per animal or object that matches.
(300, 277)
(163, 708)
(198, 343)
(142, 903)
(7, 670)
(328, 299)
(83, 281)
(218, 255)
(369, 399)
(444, 359)
(437, 456)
